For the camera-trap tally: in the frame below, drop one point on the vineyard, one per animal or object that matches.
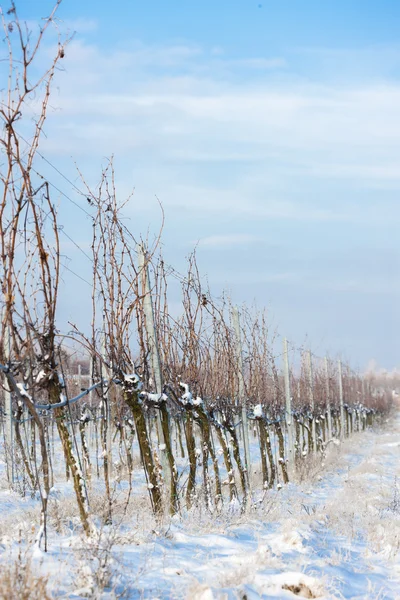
(205, 408)
(149, 413)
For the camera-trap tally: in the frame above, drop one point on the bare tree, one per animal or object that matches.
(30, 250)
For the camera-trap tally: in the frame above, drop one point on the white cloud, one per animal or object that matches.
(290, 115)
(259, 278)
(282, 160)
(80, 25)
(268, 143)
(260, 63)
(229, 240)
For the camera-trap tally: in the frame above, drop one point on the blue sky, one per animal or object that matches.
(270, 131)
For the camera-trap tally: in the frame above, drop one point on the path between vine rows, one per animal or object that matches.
(337, 536)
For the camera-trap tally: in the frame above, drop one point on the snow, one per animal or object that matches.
(334, 532)
(258, 411)
(154, 398)
(133, 380)
(40, 376)
(22, 391)
(187, 397)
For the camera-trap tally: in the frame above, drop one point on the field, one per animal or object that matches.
(170, 443)
(331, 533)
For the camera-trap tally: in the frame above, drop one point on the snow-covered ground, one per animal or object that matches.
(335, 533)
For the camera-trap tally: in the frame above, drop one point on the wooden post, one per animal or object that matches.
(79, 379)
(154, 360)
(9, 431)
(311, 396)
(328, 400)
(107, 412)
(288, 406)
(242, 390)
(93, 411)
(341, 401)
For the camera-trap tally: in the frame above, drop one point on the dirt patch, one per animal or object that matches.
(300, 589)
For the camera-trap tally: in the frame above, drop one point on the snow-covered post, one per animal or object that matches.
(311, 397)
(92, 415)
(363, 415)
(342, 420)
(328, 399)
(79, 382)
(242, 390)
(107, 411)
(79, 378)
(9, 432)
(288, 405)
(154, 359)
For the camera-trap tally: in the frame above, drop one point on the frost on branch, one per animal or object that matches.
(258, 411)
(40, 377)
(22, 391)
(132, 382)
(153, 399)
(187, 397)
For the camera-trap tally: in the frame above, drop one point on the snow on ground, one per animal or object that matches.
(335, 533)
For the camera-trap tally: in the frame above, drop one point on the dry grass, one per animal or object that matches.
(18, 582)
